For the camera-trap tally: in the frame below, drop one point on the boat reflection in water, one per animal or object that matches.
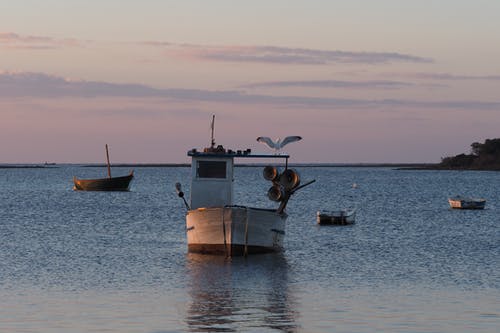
(239, 294)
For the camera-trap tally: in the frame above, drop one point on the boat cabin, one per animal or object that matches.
(212, 175)
(211, 180)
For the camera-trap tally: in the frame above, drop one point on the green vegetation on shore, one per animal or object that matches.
(483, 156)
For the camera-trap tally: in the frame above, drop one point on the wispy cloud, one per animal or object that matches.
(228, 53)
(20, 84)
(15, 41)
(283, 55)
(47, 86)
(157, 44)
(446, 76)
(372, 84)
(451, 77)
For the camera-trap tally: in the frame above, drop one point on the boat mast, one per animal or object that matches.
(212, 141)
(107, 158)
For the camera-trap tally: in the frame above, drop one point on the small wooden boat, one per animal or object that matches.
(459, 202)
(337, 217)
(104, 184)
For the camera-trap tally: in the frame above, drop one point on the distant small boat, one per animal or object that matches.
(337, 217)
(459, 202)
(104, 184)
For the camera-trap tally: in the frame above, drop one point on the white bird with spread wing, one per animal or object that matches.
(278, 144)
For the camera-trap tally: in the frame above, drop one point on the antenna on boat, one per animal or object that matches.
(212, 141)
(107, 158)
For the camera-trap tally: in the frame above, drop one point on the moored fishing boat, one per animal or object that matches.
(121, 183)
(104, 184)
(459, 202)
(336, 217)
(214, 224)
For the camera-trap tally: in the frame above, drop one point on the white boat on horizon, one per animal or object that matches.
(459, 202)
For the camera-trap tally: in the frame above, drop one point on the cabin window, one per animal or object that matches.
(211, 169)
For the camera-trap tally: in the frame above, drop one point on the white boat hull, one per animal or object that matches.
(234, 230)
(341, 217)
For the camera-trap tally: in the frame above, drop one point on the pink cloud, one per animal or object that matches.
(27, 84)
(15, 41)
(283, 55)
(371, 84)
(445, 76)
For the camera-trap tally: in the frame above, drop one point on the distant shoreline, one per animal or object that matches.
(417, 166)
(25, 166)
(395, 166)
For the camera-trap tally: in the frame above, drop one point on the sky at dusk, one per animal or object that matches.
(361, 81)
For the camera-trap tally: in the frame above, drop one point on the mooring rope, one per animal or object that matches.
(224, 230)
(245, 253)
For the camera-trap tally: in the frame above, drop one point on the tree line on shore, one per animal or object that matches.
(483, 156)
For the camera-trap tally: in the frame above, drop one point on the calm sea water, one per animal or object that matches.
(118, 262)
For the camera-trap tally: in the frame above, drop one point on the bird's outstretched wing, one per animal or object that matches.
(267, 141)
(289, 139)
